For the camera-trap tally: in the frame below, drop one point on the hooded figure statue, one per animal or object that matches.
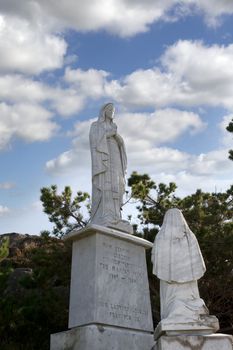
(176, 255)
(178, 263)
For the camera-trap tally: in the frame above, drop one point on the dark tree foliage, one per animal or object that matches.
(210, 217)
(34, 293)
(230, 129)
(154, 199)
(64, 211)
(4, 248)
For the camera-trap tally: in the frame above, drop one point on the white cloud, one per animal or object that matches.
(89, 83)
(17, 88)
(212, 163)
(200, 67)
(4, 210)
(63, 162)
(6, 185)
(28, 122)
(162, 126)
(28, 49)
(121, 17)
(213, 10)
(66, 102)
(209, 172)
(192, 74)
(143, 88)
(23, 112)
(157, 159)
(78, 155)
(187, 183)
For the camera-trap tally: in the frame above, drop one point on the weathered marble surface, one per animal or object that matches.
(176, 255)
(90, 228)
(205, 325)
(194, 342)
(178, 263)
(95, 337)
(109, 283)
(109, 164)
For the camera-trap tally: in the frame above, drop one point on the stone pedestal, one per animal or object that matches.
(99, 337)
(109, 298)
(205, 325)
(198, 335)
(194, 342)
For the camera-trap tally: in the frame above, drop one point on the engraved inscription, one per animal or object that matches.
(121, 312)
(122, 270)
(117, 261)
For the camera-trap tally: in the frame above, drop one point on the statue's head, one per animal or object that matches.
(174, 224)
(107, 111)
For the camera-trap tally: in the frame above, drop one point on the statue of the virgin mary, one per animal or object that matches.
(109, 163)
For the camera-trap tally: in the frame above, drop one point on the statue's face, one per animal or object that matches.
(109, 111)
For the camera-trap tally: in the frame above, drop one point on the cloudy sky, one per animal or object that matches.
(166, 64)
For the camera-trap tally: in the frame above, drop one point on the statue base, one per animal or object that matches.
(194, 342)
(205, 325)
(109, 283)
(121, 225)
(109, 295)
(99, 337)
(199, 335)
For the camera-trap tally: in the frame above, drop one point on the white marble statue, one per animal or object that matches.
(178, 263)
(108, 171)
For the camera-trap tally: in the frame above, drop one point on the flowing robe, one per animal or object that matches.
(178, 263)
(108, 173)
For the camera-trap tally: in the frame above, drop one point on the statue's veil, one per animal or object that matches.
(101, 117)
(176, 255)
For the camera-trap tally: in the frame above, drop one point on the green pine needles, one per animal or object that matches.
(4, 248)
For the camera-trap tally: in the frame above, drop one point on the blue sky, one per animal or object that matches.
(166, 65)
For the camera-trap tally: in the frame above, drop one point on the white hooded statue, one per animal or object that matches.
(178, 263)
